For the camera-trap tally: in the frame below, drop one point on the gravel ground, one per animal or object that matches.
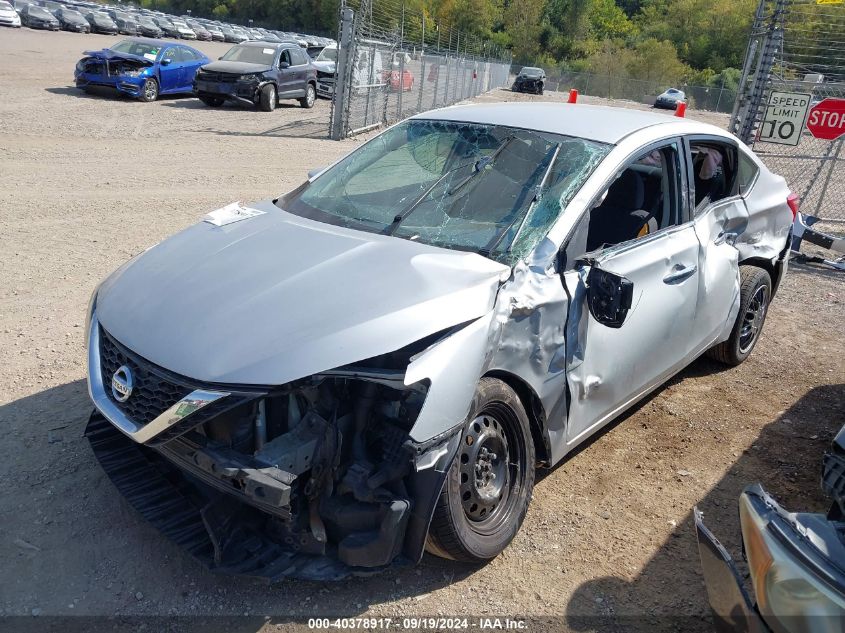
(608, 542)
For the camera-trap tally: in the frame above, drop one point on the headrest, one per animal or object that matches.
(626, 192)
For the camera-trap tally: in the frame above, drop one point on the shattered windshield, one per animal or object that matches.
(490, 189)
(327, 55)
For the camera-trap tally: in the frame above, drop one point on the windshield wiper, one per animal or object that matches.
(480, 164)
(402, 215)
(494, 243)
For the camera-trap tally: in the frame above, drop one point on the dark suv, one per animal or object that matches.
(530, 80)
(258, 74)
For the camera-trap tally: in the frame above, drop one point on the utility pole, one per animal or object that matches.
(402, 29)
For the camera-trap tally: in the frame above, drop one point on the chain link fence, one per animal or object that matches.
(797, 46)
(715, 99)
(393, 64)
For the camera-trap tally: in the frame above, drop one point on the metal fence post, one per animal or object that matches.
(343, 76)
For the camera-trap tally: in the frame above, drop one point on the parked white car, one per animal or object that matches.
(376, 362)
(8, 15)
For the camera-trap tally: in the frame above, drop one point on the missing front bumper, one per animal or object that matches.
(230, 533)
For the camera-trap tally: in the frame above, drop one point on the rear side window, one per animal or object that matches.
(298, 56)
(747, 176)
(714, 167)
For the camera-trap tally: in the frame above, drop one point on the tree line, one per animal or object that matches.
(668, 42)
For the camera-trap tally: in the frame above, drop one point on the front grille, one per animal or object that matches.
(95, 68)
(152, 393)
(226, 78)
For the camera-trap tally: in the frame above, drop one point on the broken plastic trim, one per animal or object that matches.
(229, 537)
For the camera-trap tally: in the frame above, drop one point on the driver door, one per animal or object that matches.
(287, 74)
(632, 302)
(170, 73)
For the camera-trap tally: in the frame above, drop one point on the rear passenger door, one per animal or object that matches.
(720, 216)
(648, 278)
(299, 66)
(192, 61)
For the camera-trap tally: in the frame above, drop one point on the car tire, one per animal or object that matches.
(310, 97)
(267, 99)
(755, 293)
(214, 102)
(476, 515)
(149, 91)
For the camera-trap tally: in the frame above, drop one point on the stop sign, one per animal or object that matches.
(827, 119)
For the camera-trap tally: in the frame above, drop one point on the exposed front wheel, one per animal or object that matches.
(149, 91)
(310, 97)
(755, 292)
(488, 487)
(267, 98)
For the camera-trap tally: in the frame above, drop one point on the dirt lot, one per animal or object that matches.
(608, 544)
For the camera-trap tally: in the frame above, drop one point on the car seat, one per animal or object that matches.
(620, 216)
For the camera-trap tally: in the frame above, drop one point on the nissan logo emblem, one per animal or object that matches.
(122, 383)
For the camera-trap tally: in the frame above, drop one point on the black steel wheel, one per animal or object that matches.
(755, 293)
(488, 488)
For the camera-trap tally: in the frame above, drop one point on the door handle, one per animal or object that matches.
(680, 273)
(725, 238)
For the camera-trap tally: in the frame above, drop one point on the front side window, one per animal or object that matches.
(484, 188)
(644, 198)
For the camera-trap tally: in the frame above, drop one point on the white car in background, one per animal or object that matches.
(8, 15)
(185, 31)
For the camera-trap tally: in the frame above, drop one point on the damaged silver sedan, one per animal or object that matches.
(375, 363)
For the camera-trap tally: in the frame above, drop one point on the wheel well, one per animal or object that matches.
(536, 413)
(765, 264)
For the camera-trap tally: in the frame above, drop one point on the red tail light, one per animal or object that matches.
(793, 201)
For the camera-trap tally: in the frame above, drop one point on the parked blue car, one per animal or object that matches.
(140, 67)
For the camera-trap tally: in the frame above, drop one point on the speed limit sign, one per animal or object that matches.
(785, 118)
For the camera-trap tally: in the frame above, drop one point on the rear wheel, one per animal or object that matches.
(149, 91)
(267, 98)
(755, 292)
(310, 97)
(488, 487)
(214, 102)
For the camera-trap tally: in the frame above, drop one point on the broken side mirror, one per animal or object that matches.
(609, 297)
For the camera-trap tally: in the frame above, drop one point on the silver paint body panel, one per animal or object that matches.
(279, 297)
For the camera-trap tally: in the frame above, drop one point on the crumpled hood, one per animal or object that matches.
(109, 54)
(277, 297)
(324, 66)
(236, 68)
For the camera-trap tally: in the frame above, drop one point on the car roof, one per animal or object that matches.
(263, 44)
(161, 43)
(597, 123)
